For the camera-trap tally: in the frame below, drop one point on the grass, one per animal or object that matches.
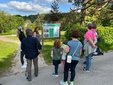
(9, 32)
(48, 43)
(46, 54)
(105, 46)
(12, 37)
(6, 55)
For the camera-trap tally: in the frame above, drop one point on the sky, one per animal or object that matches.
(31, 7)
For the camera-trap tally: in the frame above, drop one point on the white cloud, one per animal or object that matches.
(46, 1)
(23, 6)
(64, 1)
(50, 1)
(41, 9)
(61, 1)
(26, 7)
(32, 6)
(3, 6)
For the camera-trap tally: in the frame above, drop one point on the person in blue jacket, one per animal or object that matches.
(31, 46)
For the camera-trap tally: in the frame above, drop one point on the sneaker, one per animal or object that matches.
(71, 83)
(56, 75)
(87, 71)
(84, 68)
(28, 78)
(24, 66)
(63, 83)
(36, 75)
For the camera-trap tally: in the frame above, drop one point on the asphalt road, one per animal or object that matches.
(101, 74)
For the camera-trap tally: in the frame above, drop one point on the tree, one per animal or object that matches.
(39, 20)
(9, 22)
(106, 15)
(84, 5)
(54, 11)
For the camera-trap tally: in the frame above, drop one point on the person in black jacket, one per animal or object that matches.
(21, 36)
(31, 46)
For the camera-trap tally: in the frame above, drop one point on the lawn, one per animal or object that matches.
(7, 52)
(12, 37)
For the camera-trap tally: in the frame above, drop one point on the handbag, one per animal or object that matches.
(69, 57)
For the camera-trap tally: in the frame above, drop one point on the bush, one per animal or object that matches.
(74, 27)
(106, 38)
(105, 35)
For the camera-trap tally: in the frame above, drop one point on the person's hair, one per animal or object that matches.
(36, 30)
(93, 26)
(28, 32)
(57, 43)
(65, 41)
(20, 28)
(75, 34)
(89, 26)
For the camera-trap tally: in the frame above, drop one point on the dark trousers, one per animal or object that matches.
(22, 57)
(56, 68)
(56, 65)
(29, 66)
(70, 66)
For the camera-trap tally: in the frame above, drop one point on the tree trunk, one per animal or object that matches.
(82, 19)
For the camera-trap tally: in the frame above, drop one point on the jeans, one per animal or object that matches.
(70, 66)
(88, 61)
(22, 57)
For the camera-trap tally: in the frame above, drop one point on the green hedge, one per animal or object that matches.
(74, 27)
(106, 38)
(105, 35)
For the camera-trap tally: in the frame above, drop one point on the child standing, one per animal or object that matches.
(64, 52)
(56, 56)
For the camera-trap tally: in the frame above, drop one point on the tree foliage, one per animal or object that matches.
(9, 22)
(54, 11)
(86, 5)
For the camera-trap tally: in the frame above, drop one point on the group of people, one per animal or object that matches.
(30, 46)
(71, 48)
(68, 54)
(70, 51)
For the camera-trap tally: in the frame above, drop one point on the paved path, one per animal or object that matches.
(4, 38)
(101, 74)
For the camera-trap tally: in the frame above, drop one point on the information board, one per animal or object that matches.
(51, 30)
